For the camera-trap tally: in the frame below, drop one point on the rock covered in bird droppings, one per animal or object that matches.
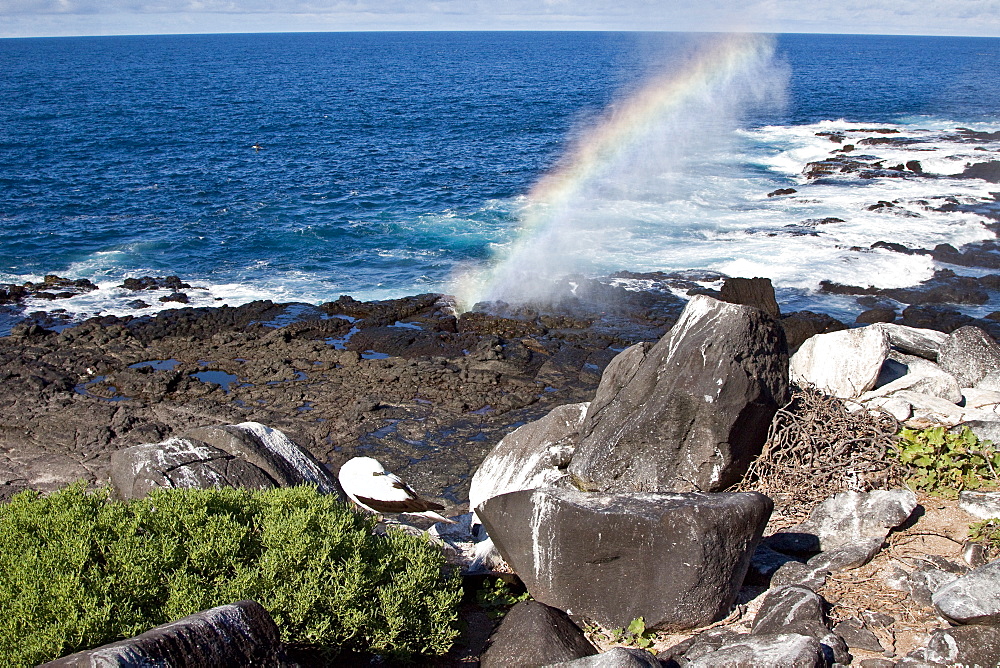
(181, 463)
(785, 605)
(851, 516)
(676, 560)
(973, 598)
(844, 364)
(788, 650)
(532, 456)
(250, 455)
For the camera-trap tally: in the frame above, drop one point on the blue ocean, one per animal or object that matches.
(300, 167)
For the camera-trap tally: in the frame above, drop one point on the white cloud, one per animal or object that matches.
(971, 17)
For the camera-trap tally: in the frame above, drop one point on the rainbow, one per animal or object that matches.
(709, 72)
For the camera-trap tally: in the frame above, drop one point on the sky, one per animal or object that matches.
(44, 18)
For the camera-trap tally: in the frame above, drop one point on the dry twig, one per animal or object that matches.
(816, 447)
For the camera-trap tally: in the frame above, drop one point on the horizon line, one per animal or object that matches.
(495, 30)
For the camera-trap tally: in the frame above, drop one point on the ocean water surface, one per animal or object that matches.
(481, 164)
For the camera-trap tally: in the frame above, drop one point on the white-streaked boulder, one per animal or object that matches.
(676, 560)
(921, 376)
(925, 343)
(249, 455)
(844, 364)
(533, 455)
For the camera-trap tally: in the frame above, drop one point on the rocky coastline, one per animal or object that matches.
(411, 381)
(755, 587)
(431, 390)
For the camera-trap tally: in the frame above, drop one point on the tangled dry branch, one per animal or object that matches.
(816, 447)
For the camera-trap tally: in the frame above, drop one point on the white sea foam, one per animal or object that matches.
(717, 218)
(714, 214)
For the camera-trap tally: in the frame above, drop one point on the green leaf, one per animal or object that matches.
(637, 626)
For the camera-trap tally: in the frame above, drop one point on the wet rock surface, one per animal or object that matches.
(409, 381)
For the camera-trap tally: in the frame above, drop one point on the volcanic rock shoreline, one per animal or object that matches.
(425, 389)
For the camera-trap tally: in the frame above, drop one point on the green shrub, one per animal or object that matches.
(78, 570)
(496, 597)
(945, 463)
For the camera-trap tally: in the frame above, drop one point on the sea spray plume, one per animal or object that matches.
(641, 154)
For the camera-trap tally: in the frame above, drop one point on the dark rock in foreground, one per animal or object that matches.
(241, 634)
(691, 412)
(677, 560)
(534, 634)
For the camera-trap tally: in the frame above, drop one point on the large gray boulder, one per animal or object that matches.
(973, 598)
(689, 413)
(241, 634)
(969, 354)
(534, 455)
(843, 364)
(534, 634)
(248, 455)
(676, 560)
